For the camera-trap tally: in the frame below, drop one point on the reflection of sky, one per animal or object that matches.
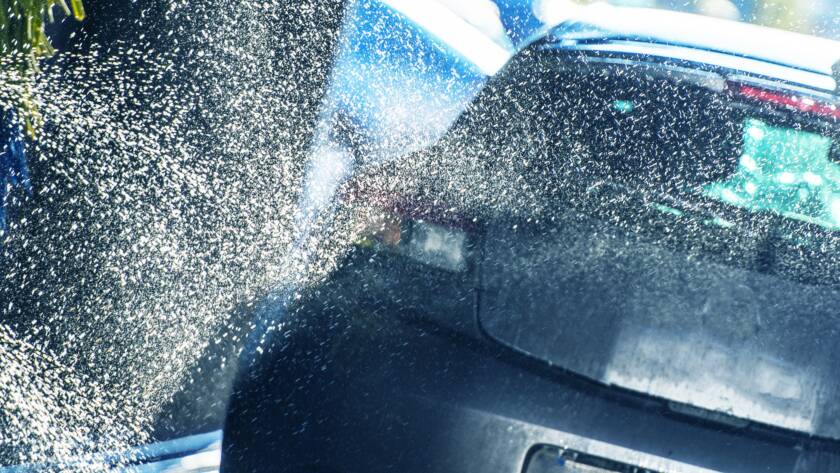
(396, 82)
(518, 18)
(402, 84)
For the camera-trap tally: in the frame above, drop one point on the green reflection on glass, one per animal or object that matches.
(668, 210)
(624, 106)
(785, 171)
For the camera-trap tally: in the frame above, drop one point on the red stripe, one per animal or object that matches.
(802, 104)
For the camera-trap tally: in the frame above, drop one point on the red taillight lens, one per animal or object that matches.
(797, 102)
(425, 233)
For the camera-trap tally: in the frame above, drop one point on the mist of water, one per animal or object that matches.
(168, 175)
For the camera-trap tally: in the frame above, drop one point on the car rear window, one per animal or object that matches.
(697, 266)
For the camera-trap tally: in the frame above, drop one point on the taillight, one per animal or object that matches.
(800, 103)
(425, 233)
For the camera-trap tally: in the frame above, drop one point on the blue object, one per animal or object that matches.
(13, 169)
(193, 453)
(519, 20)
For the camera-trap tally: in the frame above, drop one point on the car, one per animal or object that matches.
(620, 258)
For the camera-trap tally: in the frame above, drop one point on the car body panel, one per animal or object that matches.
(376, 388)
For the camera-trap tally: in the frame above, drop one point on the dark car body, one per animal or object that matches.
(586, 274)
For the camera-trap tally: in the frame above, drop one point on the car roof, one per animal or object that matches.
(713, 35)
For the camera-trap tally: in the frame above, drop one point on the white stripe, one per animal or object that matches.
(487, 55)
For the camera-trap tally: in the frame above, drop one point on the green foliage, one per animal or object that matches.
(23, 43)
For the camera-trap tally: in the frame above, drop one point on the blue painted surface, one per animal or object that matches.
(518, 18)
(14, 172)
(400, 84)
(191, 453)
